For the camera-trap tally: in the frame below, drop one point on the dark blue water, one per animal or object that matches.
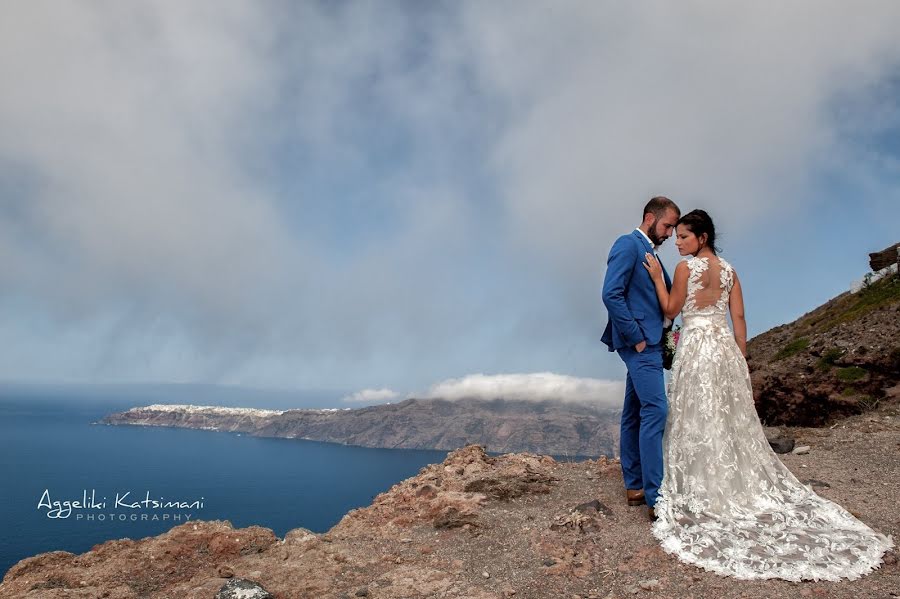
(49, 444)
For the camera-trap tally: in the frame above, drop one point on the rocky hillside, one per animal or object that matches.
(481, 527)
(842, 358)
(550, 427)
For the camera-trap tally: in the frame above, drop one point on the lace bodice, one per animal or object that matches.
(709, 286)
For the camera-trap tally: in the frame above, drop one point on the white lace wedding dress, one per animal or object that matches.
(727, 503)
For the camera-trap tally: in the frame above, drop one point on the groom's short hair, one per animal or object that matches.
(657, 207)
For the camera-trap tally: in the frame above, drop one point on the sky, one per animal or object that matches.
(380, 197)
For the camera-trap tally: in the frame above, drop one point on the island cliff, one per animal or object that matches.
(549, 427)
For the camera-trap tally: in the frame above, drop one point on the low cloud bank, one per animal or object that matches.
(372, 396)
(535, 387)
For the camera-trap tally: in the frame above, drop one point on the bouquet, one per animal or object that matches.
(670, 346)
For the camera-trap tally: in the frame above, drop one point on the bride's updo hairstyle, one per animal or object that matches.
(699, 223)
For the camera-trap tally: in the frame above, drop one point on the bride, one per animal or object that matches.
(727, 503)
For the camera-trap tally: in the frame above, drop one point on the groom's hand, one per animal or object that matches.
(640, 346)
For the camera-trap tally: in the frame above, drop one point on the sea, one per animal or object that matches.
(68, 484)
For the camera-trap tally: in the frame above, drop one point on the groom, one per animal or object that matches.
(635, 330)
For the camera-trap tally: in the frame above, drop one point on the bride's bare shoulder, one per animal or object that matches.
(725, 264)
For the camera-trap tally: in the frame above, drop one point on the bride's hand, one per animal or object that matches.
(653, 266)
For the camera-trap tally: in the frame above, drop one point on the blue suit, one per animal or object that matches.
(634, 316)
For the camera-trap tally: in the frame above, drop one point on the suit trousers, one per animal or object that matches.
(643, 420)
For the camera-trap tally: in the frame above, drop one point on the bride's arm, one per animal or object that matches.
(736, 306)
(672, 301)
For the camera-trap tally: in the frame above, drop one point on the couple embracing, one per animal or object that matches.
(718, 496)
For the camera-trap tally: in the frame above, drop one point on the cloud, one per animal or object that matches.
(729, 109)
(370, 396)
(219, 192)
(313, 194)
(122, 128)
(539, 386)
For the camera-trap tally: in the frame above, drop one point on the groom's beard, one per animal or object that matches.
(653, 236)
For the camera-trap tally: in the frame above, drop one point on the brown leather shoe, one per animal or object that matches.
(635, 497)
(651, 514)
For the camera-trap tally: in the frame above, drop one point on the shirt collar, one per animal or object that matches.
(647, 238)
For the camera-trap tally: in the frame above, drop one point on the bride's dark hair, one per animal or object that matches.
(699, 222)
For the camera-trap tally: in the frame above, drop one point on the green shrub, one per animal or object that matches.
(794, 347)
(829, 358)
(832, 355)
(851, 374)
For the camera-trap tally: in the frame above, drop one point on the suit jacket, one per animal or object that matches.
(630, 296)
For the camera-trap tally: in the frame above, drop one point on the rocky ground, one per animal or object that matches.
(483, 527)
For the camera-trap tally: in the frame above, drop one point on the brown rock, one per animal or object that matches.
(225, 571)
(427, 492)
(453, 518)
(884, 258)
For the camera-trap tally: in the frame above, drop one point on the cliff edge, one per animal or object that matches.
(476, 526)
